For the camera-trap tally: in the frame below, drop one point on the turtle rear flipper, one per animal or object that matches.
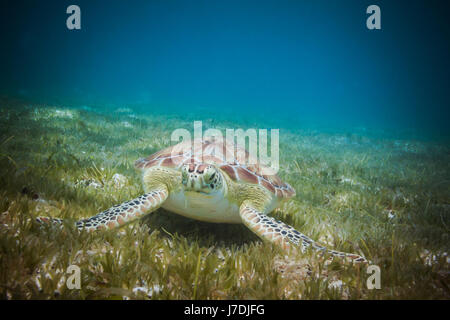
(119, 214)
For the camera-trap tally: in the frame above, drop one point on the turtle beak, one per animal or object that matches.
(197, 184)
(195, 177)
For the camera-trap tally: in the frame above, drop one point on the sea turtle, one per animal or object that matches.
(199, 180)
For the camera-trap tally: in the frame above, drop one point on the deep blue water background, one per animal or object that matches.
(291, 63)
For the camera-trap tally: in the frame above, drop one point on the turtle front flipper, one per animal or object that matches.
(282, 234)
(120, 214)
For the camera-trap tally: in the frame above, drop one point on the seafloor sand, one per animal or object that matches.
(361, 192)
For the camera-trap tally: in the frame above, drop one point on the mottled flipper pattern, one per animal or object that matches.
(120, 214)
(284, 235)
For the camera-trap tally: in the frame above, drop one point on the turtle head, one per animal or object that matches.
(204, 178)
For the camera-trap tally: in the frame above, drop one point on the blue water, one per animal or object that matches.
(289, 63)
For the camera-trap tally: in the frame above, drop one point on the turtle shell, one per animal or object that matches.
(234, 160)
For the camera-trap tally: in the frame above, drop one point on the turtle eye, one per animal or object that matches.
(212, 176)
